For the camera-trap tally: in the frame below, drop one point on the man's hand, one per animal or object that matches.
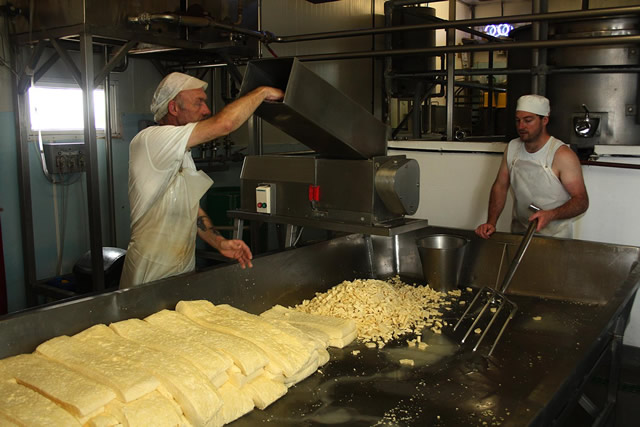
(543, 217)
(238, 250)
(485, 230)
(272, 94)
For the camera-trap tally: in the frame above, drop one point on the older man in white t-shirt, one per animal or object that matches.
(541, 170)
(164, 186)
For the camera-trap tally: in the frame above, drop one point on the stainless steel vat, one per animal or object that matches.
(583, 295)
(610, 96)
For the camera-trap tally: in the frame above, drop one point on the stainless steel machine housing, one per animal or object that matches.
(355, 191)
(350, 179)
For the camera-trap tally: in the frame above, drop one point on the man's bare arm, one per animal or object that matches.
(235, 249)
(567, 167)
(497, 200)
(232, 116)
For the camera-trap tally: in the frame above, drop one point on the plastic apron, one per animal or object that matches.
(533, 181)
(163, 239)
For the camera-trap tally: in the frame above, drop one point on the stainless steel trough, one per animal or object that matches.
(582, 291)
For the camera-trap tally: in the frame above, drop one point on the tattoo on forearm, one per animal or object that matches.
(202, 226)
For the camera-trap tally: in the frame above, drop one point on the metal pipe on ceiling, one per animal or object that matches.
(594, 41)
(195, 21)
(551, 16)
(504, 71)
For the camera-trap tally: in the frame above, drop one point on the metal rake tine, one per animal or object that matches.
(511, 315)
(493, 318)
(468, 309)
(475, 322)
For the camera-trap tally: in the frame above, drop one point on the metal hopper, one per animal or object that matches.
(350, 184)
(315, 112)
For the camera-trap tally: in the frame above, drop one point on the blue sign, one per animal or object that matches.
(498, 30)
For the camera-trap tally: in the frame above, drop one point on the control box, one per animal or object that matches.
(266, 198)
(64, 157)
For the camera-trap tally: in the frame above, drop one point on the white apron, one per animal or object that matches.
(533, 181)
(163, 236)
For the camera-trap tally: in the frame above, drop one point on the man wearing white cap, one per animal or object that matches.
(164, 186)
(541, 170)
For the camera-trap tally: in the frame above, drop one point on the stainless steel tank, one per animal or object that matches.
(407, 64)
(587, 109)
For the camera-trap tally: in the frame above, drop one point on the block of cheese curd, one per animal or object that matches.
(340, 331)
(189, 387)
(76, 393)
(25, 407)
(105, 419)
(245, 355)
(236, 404)
(6, 422)
(151, 410)
(212, 363)
(284, 350)
(114, 371)
(264, 391)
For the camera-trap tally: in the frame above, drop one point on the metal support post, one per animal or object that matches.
(90, 143)
(451, 71)
(113, 239)
(24, 184)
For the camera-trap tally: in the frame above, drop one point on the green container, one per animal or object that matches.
(219, 201)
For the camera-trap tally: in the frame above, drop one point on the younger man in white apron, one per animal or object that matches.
(541, 170)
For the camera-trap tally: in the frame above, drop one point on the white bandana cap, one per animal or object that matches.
(535, 104)
(169, 88)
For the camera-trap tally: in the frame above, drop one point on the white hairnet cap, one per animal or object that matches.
(535, 104)
(169, 88)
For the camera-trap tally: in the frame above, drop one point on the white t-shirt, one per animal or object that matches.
(164, 192)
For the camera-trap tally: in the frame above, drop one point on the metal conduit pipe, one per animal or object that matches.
(266, 37)
(197, 22)
(459, 24)
(503, 71)
(593, 41)
(610, 164)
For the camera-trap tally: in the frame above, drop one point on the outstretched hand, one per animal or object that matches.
(238, 250)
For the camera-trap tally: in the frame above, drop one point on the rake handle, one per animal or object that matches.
(524, 244)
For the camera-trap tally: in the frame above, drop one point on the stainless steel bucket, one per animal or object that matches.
(442, 256)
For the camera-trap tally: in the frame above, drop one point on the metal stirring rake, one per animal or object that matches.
(498, 298)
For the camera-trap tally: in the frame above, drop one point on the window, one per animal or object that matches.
(56, 111)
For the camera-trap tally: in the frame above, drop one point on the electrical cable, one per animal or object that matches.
(270, 50)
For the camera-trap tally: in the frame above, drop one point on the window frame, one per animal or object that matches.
(73, 135)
